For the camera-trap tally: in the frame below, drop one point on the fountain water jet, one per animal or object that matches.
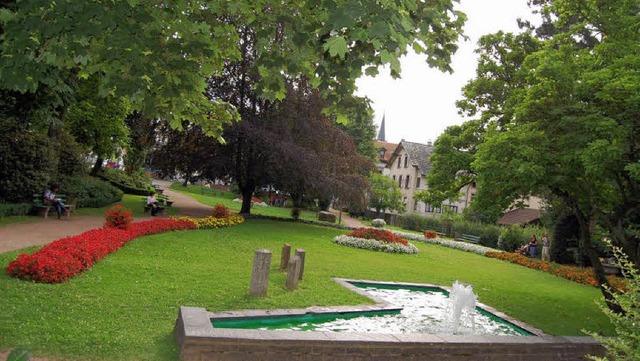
(461, 309)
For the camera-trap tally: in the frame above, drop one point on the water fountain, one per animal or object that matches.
(461, 309)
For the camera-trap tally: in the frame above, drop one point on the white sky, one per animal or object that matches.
(421, 105)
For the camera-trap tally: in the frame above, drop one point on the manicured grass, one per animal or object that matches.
(212, 197)
(130, 201)
(125, 307)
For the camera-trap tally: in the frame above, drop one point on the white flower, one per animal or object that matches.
(375, 245)
(464, 246)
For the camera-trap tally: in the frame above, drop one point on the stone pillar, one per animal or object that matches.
(260, 273)
(284, 256)
(293, 273)
(300, 254)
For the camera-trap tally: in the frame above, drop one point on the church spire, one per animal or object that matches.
(381, 134)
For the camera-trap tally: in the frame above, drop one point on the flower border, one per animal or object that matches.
(463, 246)
(375, 245)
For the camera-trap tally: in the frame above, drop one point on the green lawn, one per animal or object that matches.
(125, 307)
(212, 197)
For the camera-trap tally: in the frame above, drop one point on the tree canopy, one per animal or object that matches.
(159, 55)
(564, 122)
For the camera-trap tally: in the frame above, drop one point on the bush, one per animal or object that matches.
(91, 192)
(14, 209)
(378, 223)
(118, 217)
(220, 211)
(511, 238)
(137, 183)
(416, 222)
(25, 164)
(626, 346)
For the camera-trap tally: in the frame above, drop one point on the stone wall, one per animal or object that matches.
(198, 340)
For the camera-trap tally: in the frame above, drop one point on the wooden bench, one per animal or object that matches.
(147, 209)
(164, 200)
(43, 209)
(469, 238)
(440, 231)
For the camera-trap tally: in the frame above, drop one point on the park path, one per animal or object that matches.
(43, 231)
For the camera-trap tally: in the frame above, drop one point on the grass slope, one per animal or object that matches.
(125, 307)
(212, 197)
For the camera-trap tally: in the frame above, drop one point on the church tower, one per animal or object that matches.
(381, 134)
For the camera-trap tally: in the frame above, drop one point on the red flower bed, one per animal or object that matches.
(576, 274)
(377, 234)
(429, 233)
(67, 257)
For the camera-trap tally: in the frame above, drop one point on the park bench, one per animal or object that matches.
(43, 209)
(440, 231)
(469, 238)
(163, 202)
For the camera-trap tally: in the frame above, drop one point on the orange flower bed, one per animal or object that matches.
(576, 274)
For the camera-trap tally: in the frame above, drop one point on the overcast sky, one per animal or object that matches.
(421, 105)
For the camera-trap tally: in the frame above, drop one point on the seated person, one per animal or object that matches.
(49, 198)
(530, 248)
(152, 202)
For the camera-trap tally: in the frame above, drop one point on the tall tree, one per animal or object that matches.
(159, 55)
(575, 130)
(98, 123)
(490, 97)
(385, 194)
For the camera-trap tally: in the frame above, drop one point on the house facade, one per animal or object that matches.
(408, 166)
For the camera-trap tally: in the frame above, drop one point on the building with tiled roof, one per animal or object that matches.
(409, 165)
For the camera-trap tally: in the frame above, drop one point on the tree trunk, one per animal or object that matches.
(247, 195)
(97, 166)
(585, 242)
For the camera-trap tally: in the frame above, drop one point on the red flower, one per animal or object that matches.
(377, 234)
(430, 233)
(67, 257)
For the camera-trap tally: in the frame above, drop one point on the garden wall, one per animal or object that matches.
(198, 340)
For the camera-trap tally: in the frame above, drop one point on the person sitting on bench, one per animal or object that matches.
(531, 248)
(49, 198)
(152, 202)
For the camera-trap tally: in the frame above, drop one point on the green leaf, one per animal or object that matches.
(336, 45)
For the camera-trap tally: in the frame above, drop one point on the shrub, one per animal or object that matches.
(429, 233)
(118, 217)
(416, 222)
(626, 345)
(295, 213)
(220, 211)
(91, 192)
(137, 183)
(14, 209)
(25, 165)
(378, 223)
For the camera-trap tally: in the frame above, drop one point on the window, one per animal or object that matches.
(400, 182)
(399, 160)
(394, 177)
(406, 182)
(415, 205)
(418, 182)
(406, 159)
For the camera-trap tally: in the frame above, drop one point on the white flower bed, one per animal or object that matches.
(464, 246)
(375, 245)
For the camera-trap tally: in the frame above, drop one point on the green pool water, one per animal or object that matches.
(423, 311)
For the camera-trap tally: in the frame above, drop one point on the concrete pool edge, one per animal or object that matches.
(197, 339)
